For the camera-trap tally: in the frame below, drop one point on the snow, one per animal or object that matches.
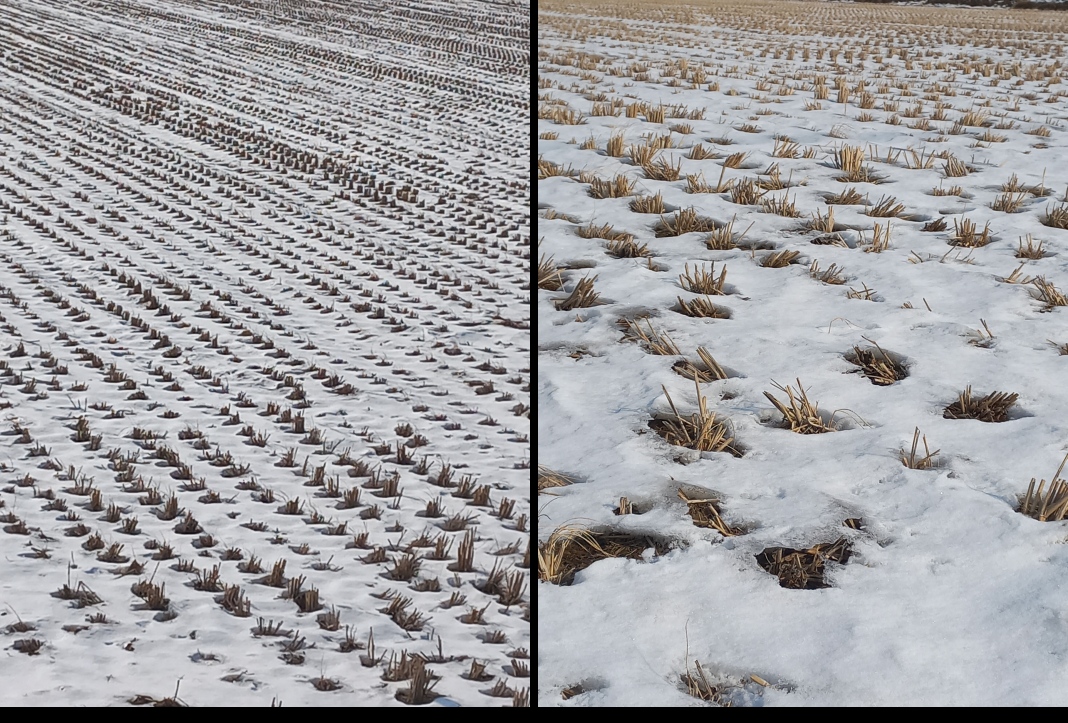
(210, 247)
(951, 597)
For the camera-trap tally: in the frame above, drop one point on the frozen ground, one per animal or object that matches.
(263, 352)
(950, 594)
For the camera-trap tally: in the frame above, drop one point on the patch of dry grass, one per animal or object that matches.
(850, 159)
(746, 192)
(831, 275)
(702, 431)
(663, 170)
(704, 280)
(913, 461)
(648, 204)
(1009, 202)
(723, 238)
(653, 341)
(779, 259)
(581, 297)
(993, 407)
(605, 231)
(1047, 504)
(699, 153)
(955, 168)
(704, 511)
(570, 548)
(548, 169)
(1030, 250)
(800, 414)
(706, 370)
(967, 234)
(1048, 294)
(780, 207)
(1056, 217)
(617, 187)
(628, 248)
(876, 365)
(887, 207)
(682, 222)
(699, 686)
(880, 239)
(848, 197)
(735, 160)
(702, 308)
(803, 569)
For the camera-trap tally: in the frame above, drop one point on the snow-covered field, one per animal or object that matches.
(264, 353)
(831, 560)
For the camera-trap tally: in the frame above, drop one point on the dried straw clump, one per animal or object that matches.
(628, 248)
(548, 479)
(1009, 202)
(663, 170)
(571, 548)
(704, 511)
(746, 193)
(699, 686)
(735, 160)
(863, 294)
(913, 461)
(696, 183)
(642, 155)
(648, 204)
(955, 168)
(617, 187)
(702, 431)
(682, 222)
(581, 297)
(779, 259)
(831, 275)
(699, 153)
(966, 234)
(707, 370)
(606, 231)
(887, 207)
(548, 169)
(1047, 504)
(880, 239)
(703, 281)
(800, 414)
(878, 366)
(549, 277)
(976, 118)
(951, 191)
(1030, 250)
(851, 160)
(1048, 294)
(653, 341)
(780, 207)
(803, 569)
(823, 224)
(1056, 217)
(993, 407)
(848, 197)
(723, 238)
(773, 180)
(702, 308)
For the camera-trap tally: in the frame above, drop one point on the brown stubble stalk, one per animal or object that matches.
(1047, 504)
(799, 413)
(912, 461)
(701, 431)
